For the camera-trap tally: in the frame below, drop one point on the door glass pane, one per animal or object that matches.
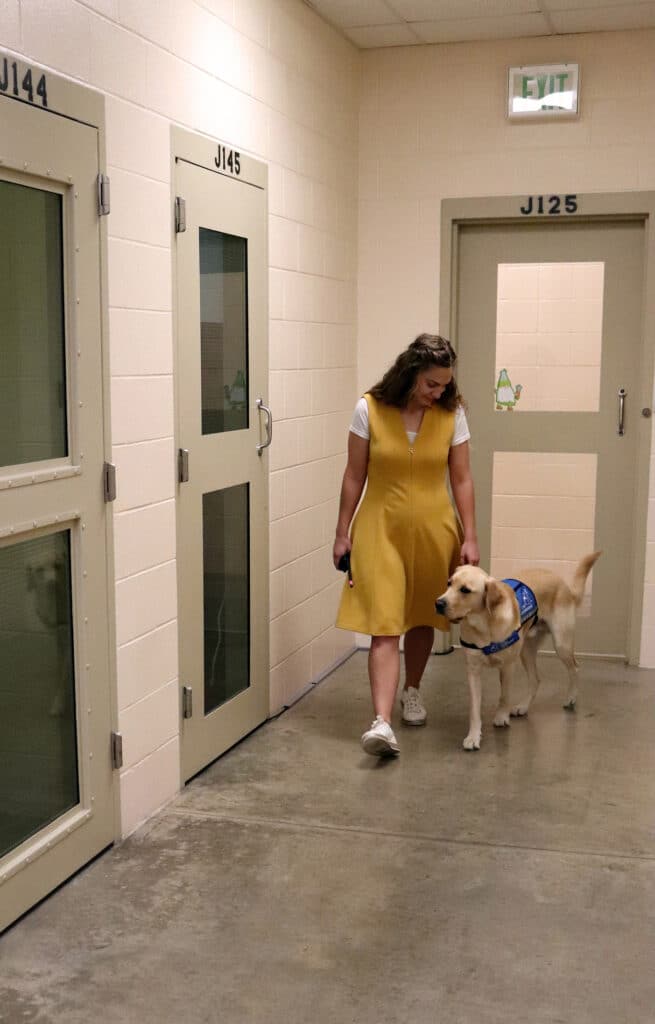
(38, 736)
(548, 337)
(223, 331)
(32, 350)
(226, 580)
(543, 513)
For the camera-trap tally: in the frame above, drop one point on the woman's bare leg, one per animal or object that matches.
(418, 644)
(384, 673)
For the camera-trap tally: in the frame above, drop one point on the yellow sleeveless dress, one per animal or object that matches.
(405, 536)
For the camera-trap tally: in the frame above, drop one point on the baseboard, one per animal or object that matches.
(323, 674)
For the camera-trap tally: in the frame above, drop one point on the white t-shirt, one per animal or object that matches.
(359, 425)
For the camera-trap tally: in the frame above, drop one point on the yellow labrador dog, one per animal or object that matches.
(502, 621)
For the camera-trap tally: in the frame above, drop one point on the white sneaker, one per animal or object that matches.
(379, 739)
(413, 711)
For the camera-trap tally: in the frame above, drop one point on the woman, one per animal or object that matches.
(405, 539)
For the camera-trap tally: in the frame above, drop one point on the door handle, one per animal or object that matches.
(187, 702)
(183, 465)
(621, 427)
(269, 426)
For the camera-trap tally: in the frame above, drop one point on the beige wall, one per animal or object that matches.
(273, 80)
(432, 125)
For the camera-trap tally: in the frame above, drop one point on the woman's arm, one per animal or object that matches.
(354, 479)
(461, 484)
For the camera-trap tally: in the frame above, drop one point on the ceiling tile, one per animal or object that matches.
(458, 30)
(345, 13)
(382, 35)
(372, 23)
(440, 10)
(604, 19)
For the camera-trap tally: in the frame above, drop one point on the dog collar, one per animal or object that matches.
(528, 610)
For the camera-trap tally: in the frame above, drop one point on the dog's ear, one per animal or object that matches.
(493, 595)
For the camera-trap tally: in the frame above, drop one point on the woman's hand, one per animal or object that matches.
(461, 484)
(354, 478)
(470, 553)
(341, 545)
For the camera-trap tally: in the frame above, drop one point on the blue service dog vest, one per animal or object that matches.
(528, 609)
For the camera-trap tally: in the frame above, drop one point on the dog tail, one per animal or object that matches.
(582, 570)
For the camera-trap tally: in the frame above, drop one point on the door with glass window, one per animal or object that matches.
(56, 788)
(223, 432)
(549, 333)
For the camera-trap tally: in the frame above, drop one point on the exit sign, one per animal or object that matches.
(543, 91)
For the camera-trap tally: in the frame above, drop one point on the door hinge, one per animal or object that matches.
(183, 465)
(187, 702)
(104, 204)
(109, 481)
(180, 215)
(116, 750)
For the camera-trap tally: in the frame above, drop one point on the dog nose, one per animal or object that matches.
(440, 605)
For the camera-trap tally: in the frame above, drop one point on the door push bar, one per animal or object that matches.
(269, 426)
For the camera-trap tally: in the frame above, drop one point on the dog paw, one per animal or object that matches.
(520, 711)
(472, 741)
(570, 705)
(502, 719)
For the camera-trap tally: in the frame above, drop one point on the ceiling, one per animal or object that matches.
(373, 23)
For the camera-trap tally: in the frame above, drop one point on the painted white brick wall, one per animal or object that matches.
(272, 79)
(432, 125)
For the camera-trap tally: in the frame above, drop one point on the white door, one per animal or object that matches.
(56, 784)
(222, 510)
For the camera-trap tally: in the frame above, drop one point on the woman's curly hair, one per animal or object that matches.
(399, 381)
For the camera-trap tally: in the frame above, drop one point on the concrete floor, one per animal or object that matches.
(299, 880)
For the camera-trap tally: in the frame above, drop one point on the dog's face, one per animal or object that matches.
(470, 589)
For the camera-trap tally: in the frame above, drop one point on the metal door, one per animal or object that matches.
(56, 782)
(549, 331)
(223, 428)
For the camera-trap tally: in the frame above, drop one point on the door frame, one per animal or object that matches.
(590, 208)
(77, 103)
